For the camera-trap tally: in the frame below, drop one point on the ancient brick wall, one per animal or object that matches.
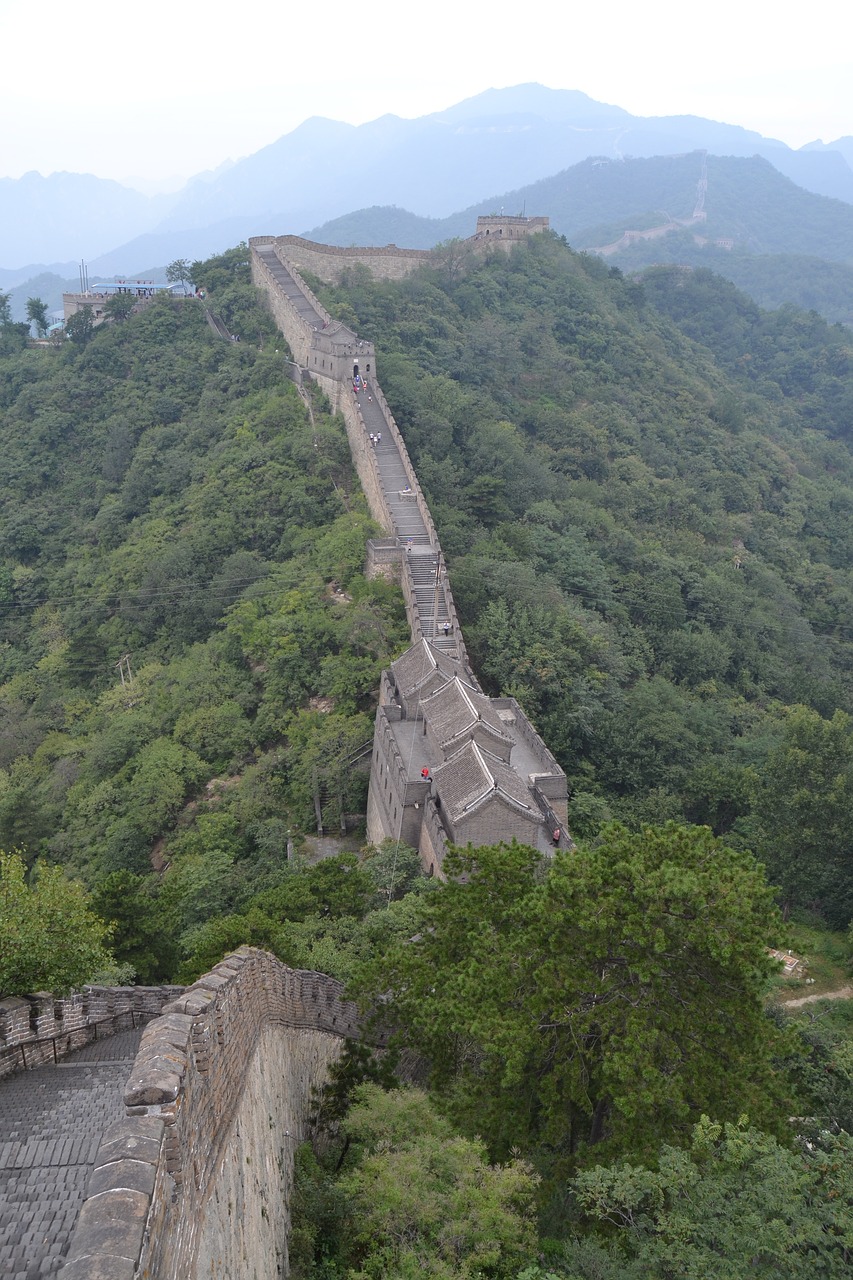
(329, 262)
(195, 1180)
(433, 839)
(60, 1025)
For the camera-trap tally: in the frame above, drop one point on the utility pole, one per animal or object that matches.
(123, 668)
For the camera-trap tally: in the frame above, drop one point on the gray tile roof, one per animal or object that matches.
(456, 711)
(474, 777)
(421, 670)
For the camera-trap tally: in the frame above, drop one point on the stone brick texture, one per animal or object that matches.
(195, 1180)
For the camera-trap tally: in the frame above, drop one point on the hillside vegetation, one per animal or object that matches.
(644, 494)
(165, 496)
(782, 243)
(644, 491)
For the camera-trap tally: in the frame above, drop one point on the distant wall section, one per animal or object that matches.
(330, 262)
(42, 1028)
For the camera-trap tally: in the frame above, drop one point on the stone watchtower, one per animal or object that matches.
(503, 231)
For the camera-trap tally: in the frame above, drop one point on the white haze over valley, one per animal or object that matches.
(160, 93)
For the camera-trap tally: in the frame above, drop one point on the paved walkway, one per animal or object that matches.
(408, 523)
(409, 527)
(842, 993)
(51, 1121)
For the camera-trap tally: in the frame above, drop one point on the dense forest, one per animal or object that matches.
(643, 489)
(169, 500)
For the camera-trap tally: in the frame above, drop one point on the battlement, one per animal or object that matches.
(195, 1179)
(500, 227)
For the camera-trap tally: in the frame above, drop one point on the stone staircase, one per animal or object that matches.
(51, 1122)
(288, 286)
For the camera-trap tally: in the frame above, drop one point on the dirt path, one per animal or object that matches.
(841, 993)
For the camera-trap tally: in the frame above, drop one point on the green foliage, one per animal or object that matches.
(805, 811)
(127, 904)
(735, 1204)
(50, 938)
(425, 1202)
(599, 1004)
(334, 887)
(319, 1219)
(167, 493)
(37, 315)
(80, 327)
(644, 496)
(119, 306)
(179, 271)
(393, 867)
(358, 1064)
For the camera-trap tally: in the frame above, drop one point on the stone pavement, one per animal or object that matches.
(51, 1121)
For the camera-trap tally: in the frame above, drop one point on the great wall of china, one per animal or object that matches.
(193, 1176)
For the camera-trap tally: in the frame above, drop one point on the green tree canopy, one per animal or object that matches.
(426, 1202)
(805, 813)
(609, 999)
(735, 1204)
(179, 271)
(80, 327)
(50, 939)
(37, 315)
(119, 306)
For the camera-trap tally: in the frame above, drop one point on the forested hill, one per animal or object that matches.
(644, 494)
(644, 491)
(165, 496)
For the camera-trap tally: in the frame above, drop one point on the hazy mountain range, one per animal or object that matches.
(421, 173)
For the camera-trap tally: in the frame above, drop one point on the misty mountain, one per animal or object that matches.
(496, 141)
(774, 240)
(500, 140)
(69, 216)
(593, 203)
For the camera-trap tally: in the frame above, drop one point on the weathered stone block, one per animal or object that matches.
(171, 1028)
(120, 1205)
(192, 1002)
(104, 1267)
(124, 1175)
(133, 1138)
(151, 1089)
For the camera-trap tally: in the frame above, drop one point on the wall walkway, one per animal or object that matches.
(401, 806)
(51, 1123)
(386, 472)
(192, 1179)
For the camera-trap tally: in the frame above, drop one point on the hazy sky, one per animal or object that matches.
(172, 87)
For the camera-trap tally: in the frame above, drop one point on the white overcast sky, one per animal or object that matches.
(168, 88)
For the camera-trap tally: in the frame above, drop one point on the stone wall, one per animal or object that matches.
(433, 839)
(296, 332)
(393, 807)
(392, 795)
(41, 1028)
(195, 1180)
(329, 262)
(550, 778)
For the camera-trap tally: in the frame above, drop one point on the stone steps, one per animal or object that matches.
(51, 1121)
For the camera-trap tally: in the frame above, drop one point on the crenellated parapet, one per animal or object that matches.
(195, 1180)
(42, 1028)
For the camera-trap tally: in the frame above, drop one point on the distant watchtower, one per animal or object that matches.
(498, 229)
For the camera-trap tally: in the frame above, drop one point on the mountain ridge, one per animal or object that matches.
(436, 164)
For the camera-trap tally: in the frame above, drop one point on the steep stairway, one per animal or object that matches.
(51, 1122)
